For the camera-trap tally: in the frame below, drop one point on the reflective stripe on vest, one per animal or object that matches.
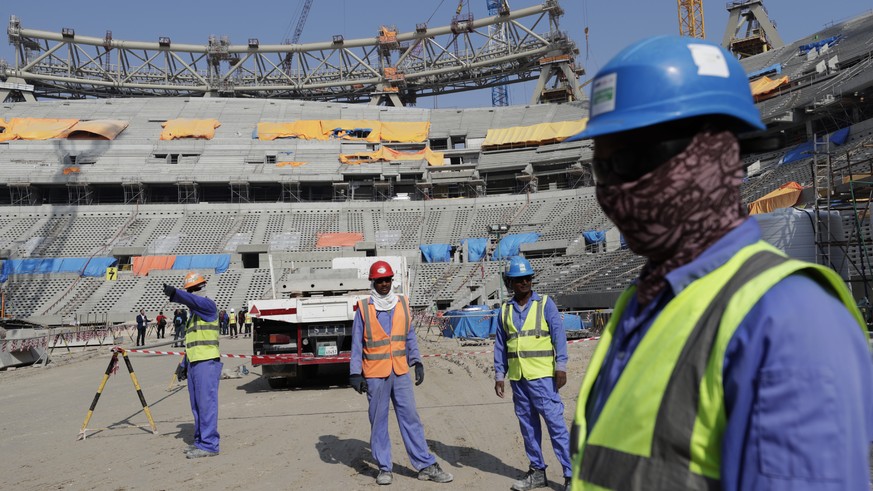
(663, 423)
(382, 353)
(201, 339)
(529, 351)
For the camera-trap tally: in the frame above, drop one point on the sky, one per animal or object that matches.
(612, 24)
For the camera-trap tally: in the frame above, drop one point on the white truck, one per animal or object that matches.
(311, 324)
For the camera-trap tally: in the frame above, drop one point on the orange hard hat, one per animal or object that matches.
(380, 269)
(193, 279)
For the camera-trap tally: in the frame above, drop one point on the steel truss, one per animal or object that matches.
(466, 55)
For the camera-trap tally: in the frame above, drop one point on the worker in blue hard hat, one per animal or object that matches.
(726, 365)
(530, 349)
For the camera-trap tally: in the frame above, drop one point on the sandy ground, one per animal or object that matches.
(310, 437)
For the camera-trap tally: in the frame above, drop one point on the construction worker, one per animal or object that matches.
(232, 323)
(248, 325)
(530, 348)
(384, 346)
(726, 365)
(204, 363)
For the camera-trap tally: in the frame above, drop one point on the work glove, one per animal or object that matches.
(358, 382)
(419, 373)
(169, 291)
(182, 371)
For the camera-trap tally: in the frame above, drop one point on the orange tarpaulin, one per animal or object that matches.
(34, 128)
(290, 164)
(189, 128)
(368, 130)
(536, 134)
(784, 197)
(339, 239)
(764, 85)
(385, 154)
(71, 170)
(97, 129)
(304, 130)
(143, 264)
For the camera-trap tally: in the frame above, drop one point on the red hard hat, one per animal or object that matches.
(380, 269)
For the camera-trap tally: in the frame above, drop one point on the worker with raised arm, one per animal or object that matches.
(384, 346)
(203, 360)
(726, 364)
(530, 349)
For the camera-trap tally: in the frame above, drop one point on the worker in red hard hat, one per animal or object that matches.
(202, 357)
(384, 346)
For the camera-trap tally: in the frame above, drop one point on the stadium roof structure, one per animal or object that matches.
(392, 67)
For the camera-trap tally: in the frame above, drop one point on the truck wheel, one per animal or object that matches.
(278, 382)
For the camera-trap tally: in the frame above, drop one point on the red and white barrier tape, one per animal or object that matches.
(325, 358)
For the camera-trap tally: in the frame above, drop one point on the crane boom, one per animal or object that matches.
(301, 21)
(691, 18)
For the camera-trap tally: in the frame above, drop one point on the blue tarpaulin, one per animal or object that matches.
(807, 149)
(594, 237)
(572, 322)
(436, 253)
(818, 44)
(509, 245)
(839, 137)
(475, 248)
(471, 323)
(219, 262)
(85, 266)
(777, 69)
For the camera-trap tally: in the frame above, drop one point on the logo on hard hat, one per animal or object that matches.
(522, 267)
(381, 269)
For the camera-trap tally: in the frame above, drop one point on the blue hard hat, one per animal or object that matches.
(518, 267)
(668, 78)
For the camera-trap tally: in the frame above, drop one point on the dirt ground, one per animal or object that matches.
(310, 437)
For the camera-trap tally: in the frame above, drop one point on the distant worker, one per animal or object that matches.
(178, 328)
(248, 325)
(384, 346)
(530, 349)
(142, 322)
(231, 320)
(240, 320)
(726, 365)
(204, 363)
(161, 321)
(222, 322)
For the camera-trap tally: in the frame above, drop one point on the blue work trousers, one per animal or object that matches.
(535, 398)
(203, 377)
(397, 389)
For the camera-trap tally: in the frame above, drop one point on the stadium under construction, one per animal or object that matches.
(252, 162)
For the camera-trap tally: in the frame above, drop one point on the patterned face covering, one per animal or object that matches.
(673, 213)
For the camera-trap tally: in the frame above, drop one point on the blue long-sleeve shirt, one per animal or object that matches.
(386, 320)
(519, 314)
(202, 306)
(798, 381)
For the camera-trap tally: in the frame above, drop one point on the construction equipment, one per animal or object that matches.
(311, 325)
(691, 18)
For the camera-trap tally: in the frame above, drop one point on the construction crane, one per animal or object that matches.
(691, 18)
(301, 21)
(499, 93)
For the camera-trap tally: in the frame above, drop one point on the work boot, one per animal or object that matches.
(190, 448)
(434, 473)
(199, 452)
(384, 478)
(535, 478)
(568, 481)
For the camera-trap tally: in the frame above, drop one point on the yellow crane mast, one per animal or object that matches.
(691, 18)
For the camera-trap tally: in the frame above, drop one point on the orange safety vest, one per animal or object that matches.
(381, 354)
